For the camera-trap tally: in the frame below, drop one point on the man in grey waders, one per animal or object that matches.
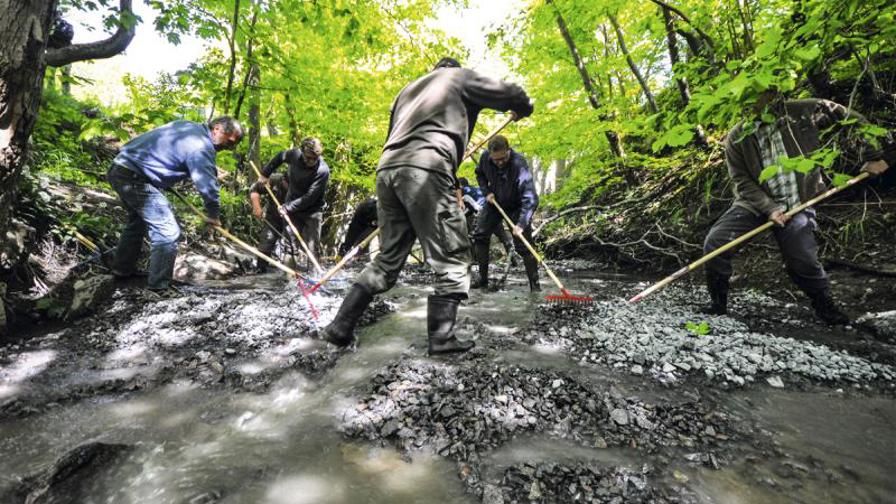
(430, 125)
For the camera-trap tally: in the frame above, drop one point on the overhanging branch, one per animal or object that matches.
(107, 48)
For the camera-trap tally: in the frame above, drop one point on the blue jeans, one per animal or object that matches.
(148, 212)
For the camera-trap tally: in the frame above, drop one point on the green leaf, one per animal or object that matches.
(840, 179)
(769, 172)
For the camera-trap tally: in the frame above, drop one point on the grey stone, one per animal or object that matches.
(620, 416)
(775, 381)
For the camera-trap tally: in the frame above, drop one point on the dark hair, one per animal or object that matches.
(312, 143)
(228, 124)
(447, 63)
(498, 143)
(463, 182)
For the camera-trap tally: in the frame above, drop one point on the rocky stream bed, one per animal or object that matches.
(224, 395)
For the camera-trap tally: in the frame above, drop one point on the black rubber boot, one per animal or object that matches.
(441, 315)
(532, 273)
(826, 309)
(481, 252)
(341, 330)
(718, 294)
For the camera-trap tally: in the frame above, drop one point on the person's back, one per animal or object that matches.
(432, 117)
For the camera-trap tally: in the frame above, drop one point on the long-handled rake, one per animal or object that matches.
(345, 260)
(743, 238)
(292, 226)
(565, 296)
(300, 279)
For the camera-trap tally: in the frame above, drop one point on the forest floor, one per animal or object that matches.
(224, 395)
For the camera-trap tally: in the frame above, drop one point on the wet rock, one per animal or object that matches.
(88, 293)
(191, 267)
(620, 416)
(69, 478)
(775, 381)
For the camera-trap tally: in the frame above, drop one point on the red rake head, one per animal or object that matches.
(567, 297)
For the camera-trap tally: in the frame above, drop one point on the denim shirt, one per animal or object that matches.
(173, 152)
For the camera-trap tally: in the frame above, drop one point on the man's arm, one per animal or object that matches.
(481, 177)
(528, 195)
(201, 165)
(272, 165)
(314, 193)
(255, 199)
(496, 94)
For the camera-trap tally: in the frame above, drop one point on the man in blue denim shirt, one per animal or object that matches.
(153, 162)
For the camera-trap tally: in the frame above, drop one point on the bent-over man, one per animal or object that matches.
(429, 128)
(308, 176)
(795, 131)
(362, 224)
(151, 163)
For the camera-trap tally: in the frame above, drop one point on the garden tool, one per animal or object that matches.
(345, 260)
(565, 296)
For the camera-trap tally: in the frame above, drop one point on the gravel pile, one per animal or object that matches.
(578, 482)
(236, 338)
(662, 337)
(465, 410)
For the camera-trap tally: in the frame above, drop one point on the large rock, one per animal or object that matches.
(88, 293)
(68, 479)
(191, 266)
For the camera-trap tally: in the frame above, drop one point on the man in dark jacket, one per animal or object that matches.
(308, 175)
(151, 163)
(274, 224)
(796, 131)
(429, 128)
(504, 177)
(362, 224)
(474, 203)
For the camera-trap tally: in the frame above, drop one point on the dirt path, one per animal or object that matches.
(222, 395)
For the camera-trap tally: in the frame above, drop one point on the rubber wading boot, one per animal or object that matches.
(481, 252)
(826, 309)
(718, 294)
(441, 315)
(532, 273)
(341, 330)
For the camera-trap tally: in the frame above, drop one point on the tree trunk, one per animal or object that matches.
(683, 89)
(612, 136)
(231, 44)
(254, 150)
(651, 101)
(24, 27)
(293, 125)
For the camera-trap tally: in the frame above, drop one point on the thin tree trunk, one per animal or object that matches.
(252, 67)
(231, 44)
(748, 36)
(651, 101)
(683, 89)
(66, 77)
(293, 125)
(254, 150)
(612, 136)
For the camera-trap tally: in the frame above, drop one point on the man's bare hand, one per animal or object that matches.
(459, 195)
(263, 179)
(283, 212)
(875, 167)
(513, 116)
(517, 231)
(779, 218)
(490, 197)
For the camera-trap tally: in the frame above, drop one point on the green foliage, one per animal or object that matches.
(698, 329)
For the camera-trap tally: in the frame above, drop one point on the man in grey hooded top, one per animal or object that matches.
(431, 122)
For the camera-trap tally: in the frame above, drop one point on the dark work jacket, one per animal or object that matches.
(801, 123)
(362, 224)
(513, 186)
(432, 117)
(307, 185)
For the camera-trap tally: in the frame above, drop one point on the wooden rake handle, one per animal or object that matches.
(292, 226)
(230, 236)
(531, 248)
(743, 238)
(348, 257)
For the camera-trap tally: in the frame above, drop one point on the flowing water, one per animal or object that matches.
(283, 445)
